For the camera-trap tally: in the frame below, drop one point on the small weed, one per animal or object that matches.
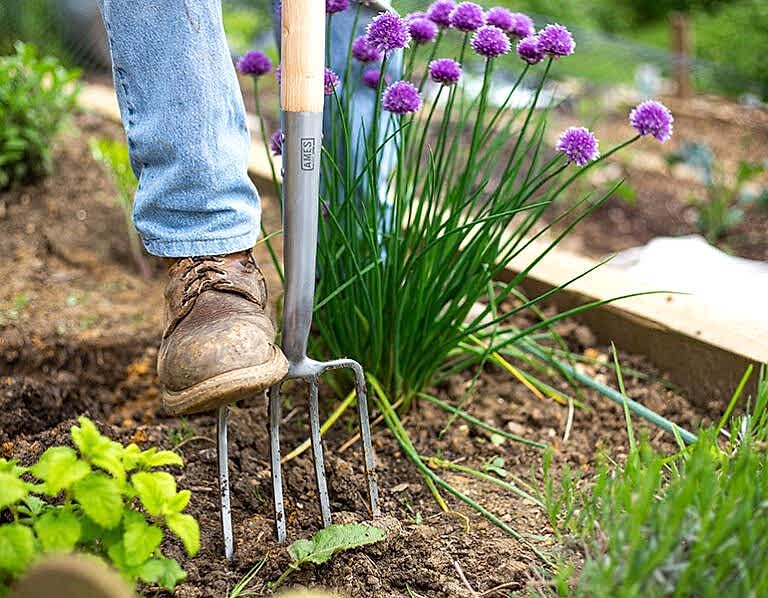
(182, 433)
(328, 542)
(241, 587)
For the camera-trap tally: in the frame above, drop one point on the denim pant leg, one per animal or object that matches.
(185, 121)
(345, 26)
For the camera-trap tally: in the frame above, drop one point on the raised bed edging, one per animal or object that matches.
(702, 352)
(705, 357)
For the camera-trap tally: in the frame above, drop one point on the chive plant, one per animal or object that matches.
(425, 203)
(403, 264)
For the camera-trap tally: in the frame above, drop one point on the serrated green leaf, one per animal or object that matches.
(100, 498)
(187, 529)
(12, 490)
(178, 503)
(140, 540)
(165, 572)
(98, 449)
(58, 530)
(17, 547)
(59, 468)
(161, 458)
(154, 489)
(131, 457)
(333, 539)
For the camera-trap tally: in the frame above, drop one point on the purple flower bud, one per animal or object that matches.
(529, 49)
(423, 31)
(445, 71)
(371, 78)
(652, 118)
(363, 51)
(279, 74)
(401, 97)
(331, 82)
(556, 41)
(490, 41)
(334, 6)
(467, 16)
(440, 12)
(579, 145)
(387, 32)
(276, 143)
(254, 63)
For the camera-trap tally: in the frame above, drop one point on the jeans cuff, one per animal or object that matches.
(163, 248)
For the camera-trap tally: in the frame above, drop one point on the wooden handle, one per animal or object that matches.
(303, 56)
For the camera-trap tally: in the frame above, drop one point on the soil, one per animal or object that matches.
(78, 331)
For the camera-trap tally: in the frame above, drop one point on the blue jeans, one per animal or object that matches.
(184, 118)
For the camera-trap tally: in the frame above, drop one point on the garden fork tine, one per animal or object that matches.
(302, 97)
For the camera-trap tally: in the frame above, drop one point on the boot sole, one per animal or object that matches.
(226, 388)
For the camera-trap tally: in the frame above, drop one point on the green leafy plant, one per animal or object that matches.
(721, 209)
(328, 542)
(691, 524)
(114, 157)
(103, 498)
(36, 97)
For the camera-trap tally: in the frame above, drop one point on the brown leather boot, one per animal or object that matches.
(218, 345)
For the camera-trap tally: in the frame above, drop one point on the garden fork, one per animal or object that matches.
(302, 96)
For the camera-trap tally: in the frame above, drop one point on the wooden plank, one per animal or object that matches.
(701, 349)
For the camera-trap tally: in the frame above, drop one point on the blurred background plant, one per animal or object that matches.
(113, 156)
(721, 208)
(36, 97)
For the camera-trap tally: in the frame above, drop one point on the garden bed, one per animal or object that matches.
(78, 331)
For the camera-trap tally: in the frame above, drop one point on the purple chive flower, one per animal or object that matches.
(490, 41)
(522, 25)
(514, 23)
(334, 6)
(440, 12)
(556, 41)
(371, 78)
(331, 82)
(276, 143)
(579, 145)
(445, 71)
(363, 51)
(401, 97)
(467, 16)
(423, 31)
(254, 63)
(387, 32)
(530, 50)
(500, 17)
(652, 118)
